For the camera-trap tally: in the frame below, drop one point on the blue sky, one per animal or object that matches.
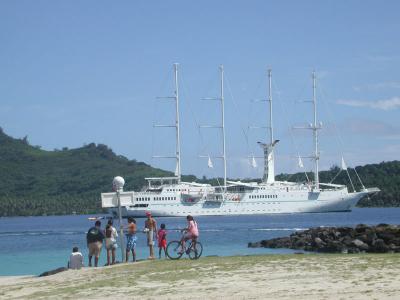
(75, 72)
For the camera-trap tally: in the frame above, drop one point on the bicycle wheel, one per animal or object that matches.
(174, 250)
(196, 253)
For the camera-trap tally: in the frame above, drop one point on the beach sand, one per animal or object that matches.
(362, 276)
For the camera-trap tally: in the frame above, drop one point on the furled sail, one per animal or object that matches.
(253, 162)
(209, 163)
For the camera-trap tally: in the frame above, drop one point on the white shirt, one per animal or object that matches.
(75, 260)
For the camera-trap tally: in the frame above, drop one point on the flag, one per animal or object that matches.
(300, 163)
(253, 162)
(344, 166)
(210, 164)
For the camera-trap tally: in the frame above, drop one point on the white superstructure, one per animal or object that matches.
(169, 196)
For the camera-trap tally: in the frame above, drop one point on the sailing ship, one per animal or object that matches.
(170, 196)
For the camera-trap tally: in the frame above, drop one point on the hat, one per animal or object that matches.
(148, 214)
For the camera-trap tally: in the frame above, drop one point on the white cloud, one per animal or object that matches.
(385, 104)
(378, 86)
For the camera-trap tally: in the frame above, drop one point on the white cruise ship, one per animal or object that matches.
(170, 196)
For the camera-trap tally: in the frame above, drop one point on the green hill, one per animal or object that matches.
(38, 182)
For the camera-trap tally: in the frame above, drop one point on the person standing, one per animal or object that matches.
(94, 239)
(150, 227)
(162, 240)
(111, 242)
(131, 239)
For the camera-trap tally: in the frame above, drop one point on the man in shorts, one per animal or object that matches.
(94, 238)
(150, 227)
(131, 239)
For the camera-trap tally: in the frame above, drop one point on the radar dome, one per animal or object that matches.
(118, 183)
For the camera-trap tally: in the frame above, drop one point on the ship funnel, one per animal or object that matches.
(269, 164)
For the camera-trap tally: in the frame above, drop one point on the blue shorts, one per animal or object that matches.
(130, 242)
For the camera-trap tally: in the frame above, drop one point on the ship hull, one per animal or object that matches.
(289, 203)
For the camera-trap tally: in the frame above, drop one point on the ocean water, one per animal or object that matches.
(32, 245)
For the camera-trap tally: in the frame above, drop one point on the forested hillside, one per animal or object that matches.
(39, 182)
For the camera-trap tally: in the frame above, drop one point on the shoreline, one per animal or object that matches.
(322, 276)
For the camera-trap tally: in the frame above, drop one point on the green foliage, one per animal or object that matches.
(38, 182)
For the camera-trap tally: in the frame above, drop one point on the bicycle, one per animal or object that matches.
(193, 249)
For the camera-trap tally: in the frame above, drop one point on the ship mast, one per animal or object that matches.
(315, 129)
(221, 67)
(177, 155)
(268, 148)
(177, 127)
(221, 126)
(271, 130)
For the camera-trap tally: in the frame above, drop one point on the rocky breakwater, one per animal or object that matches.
(382, 238)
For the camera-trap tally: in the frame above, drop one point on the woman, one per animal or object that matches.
(111, 242)
(192, 232)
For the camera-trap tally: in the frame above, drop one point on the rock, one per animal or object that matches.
(380, 239)
(254, 245)
(380, 246)
(332, 247)
(360, 228)
(386, 236)
(360, 245)
(353, 250)
(347, 241)
(396, 241)
(52, 272)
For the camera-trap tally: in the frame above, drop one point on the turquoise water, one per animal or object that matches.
(32, 245)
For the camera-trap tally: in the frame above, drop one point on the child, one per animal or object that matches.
(111, 242)
(75, 259)
(162, 240)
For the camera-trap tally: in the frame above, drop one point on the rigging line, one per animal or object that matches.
(337, 174)
(251, 146)
(202, 143)
(281, 103)
(250, 113)
(202, 139)
(161, 90)
(338, 138)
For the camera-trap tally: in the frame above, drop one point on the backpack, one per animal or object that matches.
(94, 235)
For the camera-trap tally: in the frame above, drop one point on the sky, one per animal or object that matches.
(76, 72)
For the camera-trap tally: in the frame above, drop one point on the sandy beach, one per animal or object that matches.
(362, 276)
